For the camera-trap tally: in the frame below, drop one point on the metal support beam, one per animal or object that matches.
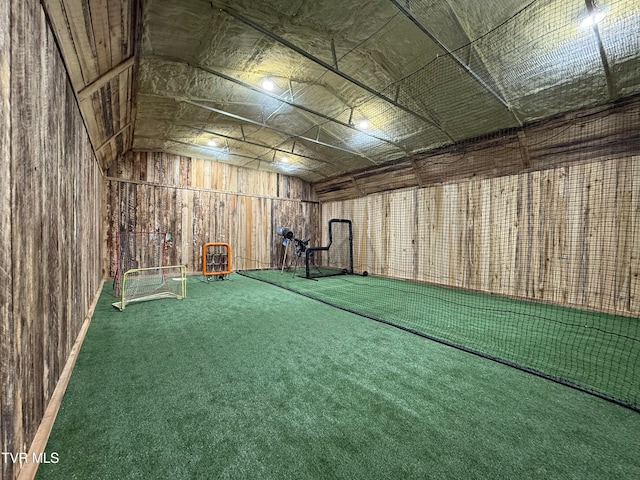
(259, 124)
(333, 54)
(249, 142)
(291, 103)
(234, 154)
(455, 57)
(611, 83)
(331, 68)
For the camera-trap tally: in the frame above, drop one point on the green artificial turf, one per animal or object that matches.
(246, 380)
(596, 351)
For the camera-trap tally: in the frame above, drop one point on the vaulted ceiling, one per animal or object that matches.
(351, 84)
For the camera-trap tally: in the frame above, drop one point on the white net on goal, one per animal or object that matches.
(142, 284)
(138, 250)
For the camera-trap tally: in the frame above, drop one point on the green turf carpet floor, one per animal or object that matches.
(595, 351)
(245, 380)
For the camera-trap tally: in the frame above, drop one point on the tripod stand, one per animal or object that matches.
(299, 248)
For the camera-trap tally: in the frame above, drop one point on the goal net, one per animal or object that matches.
(216, 259)
(137, 250)
(142, 284)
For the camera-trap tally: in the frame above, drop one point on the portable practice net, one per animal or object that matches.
(142, 284)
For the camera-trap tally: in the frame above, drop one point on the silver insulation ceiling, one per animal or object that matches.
(421, 73)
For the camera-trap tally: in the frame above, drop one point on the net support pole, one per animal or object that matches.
(309, 251)
(284, 257)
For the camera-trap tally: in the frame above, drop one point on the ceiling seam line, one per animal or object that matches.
(457, 59)
(292, 104)
(255, 144)
(327, 66)
(241, 155)
(248, 120)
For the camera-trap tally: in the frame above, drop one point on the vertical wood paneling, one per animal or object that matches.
(569, 235)
(51, 222)
(155, 191)
(100, 33)
(97, 40)
(594, 237)
(401, 255)
(361, 227)
(610, 240)
(26, 203)
(8, 367)
(186, 229)
(576, 232)
(485, 234)
(634, 290)
(424, 226)
(468, 205)
(624, 235)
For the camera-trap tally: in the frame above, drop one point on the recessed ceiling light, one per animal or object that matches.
(268, 84)
(212, 143)
(595, 16)
(592, 19)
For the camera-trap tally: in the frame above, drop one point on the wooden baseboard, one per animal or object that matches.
(29, 468)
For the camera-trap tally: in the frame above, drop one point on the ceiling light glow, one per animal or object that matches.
(594, 17)
(363, 124)
(284, 160)
(268, 84)
(212, 143)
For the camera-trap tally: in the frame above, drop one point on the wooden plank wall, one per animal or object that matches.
(99, 40)
(568, 235)
(50, 222)
(200, 201)
(584, 136)
(8, 406)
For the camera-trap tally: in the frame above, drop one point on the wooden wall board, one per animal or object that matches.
(173, 198)
(576, 251)
(594, 224)
(425, 231)
(624, 235)
(292, 188)
(51, 220)
(9, 403)
(567, 235)
(98, 40)
(401, 254)
(584, 136)
(484, 233)
(634, 289)
(184, 172)
(611, 191)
